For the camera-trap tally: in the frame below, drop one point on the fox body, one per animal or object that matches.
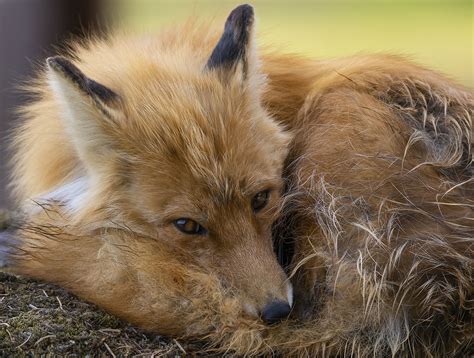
(157, 176)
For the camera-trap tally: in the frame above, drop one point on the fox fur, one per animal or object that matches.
(369, 164)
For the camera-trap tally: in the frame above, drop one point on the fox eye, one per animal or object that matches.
(189, 226)
(260, 200)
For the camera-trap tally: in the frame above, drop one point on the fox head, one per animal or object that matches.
(176, 145)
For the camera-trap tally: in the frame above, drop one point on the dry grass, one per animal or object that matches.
(40, 319)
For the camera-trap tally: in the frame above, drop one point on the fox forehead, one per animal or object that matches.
(180, 115)
(203, 181)
(194, 123)
(197, 144)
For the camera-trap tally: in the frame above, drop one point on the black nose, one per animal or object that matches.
(275, 311)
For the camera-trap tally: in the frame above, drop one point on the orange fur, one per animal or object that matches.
(374, 155)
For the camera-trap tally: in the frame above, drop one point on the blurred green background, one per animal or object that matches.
(438, 34)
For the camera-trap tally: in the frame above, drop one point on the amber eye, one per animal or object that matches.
(189, 226)
(260, 200)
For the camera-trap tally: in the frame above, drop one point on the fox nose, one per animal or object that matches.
(275, 311)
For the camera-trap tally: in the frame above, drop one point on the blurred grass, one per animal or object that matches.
(438, 34)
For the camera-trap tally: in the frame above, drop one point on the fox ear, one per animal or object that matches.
(234, 51)
(88, 106)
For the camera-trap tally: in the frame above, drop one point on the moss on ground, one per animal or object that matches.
(37, 319)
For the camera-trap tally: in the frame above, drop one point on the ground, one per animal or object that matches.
(41, 319)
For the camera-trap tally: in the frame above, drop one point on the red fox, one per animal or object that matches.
(265, 203)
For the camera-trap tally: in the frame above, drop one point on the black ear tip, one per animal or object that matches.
(242, 14)
(66, 68)
(232, 46)
(57, 62)
(244, 9)
(51, 60)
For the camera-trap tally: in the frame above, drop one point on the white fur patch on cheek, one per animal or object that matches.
(289, 294)
(72, 195)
